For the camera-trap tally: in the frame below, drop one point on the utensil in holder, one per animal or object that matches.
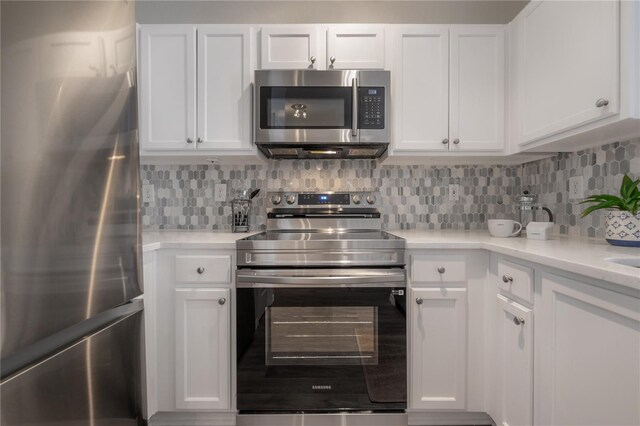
(240, 209)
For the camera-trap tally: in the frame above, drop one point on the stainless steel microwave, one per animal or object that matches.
(322, 114)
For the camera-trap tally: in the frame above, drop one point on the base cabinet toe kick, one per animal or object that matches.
(479, 348)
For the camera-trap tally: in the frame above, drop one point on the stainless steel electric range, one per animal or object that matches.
(321, 297)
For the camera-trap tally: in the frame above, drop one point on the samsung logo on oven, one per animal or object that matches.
(321, 387)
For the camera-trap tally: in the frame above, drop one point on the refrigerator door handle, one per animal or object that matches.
(65, 338)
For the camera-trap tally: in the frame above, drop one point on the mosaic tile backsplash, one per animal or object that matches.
(411, 196)
(602, 170)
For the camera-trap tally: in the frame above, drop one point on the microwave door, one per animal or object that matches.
(302, 114)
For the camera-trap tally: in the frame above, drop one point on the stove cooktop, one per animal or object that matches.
(315, 249)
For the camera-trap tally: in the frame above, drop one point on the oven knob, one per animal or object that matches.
(276, 199)
(356, 199)
(371, 199)
(291, 199)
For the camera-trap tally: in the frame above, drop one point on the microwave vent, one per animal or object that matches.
(363, 152)
(283, 152)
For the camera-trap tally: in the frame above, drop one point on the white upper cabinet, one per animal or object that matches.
(292, 47)
(224, 87)
(167, 79)
(322, 47)
(421, 88)
(574, 69)
(569, 53)
(449, 88)
(477, 88)
(181, 114)
(355, 47)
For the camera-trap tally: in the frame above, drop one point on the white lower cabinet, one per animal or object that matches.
(587, 354)
(202, 345)
(438, 348)
(514, 358)
(188, 331)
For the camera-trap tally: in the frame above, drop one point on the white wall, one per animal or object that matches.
(309, 11)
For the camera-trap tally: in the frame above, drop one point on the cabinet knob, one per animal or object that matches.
(200, 270)
(189, 140)
(441, 269)
(507, 279)
(222, 301)
(199, 140)
(518, 320)
(332, 59)
(602, 103)
(456, 141)
(445, 141)
(313, 60)
(419, 300)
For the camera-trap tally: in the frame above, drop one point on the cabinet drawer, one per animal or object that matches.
(516, 279)
(438, 268)
(203, 269)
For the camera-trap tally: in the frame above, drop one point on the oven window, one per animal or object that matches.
(322, 335)
(305, 107)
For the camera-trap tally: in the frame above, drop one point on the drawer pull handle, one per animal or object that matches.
(518, 320)
(222, 301)
(419, 300)
(200, 270)
(441, 269)
(507, 279)
(602, 103)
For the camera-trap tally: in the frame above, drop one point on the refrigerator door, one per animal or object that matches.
(94, 382)
(69, 166)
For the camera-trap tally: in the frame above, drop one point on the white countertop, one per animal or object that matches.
(584, 256)
(154, 240)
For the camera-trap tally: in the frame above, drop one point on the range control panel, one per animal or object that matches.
(371, 108)
(314, 199)
(322, 199)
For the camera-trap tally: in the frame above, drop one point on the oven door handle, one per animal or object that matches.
(256, 279)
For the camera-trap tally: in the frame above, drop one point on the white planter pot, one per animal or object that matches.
(622, 228)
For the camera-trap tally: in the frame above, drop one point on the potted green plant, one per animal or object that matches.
(622, 219)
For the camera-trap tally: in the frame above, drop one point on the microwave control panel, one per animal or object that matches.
(371, 108)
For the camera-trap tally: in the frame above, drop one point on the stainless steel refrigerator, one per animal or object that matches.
(71, 312)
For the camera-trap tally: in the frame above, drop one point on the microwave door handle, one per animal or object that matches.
(354, 109)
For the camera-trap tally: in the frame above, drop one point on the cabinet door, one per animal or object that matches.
(224, 87)
(421, 94)
(587, 354)
(438, 348)
(355, 47)
(167, 87)
(291, 47)
(514, 364)
(477, 88)
(203, 345)
(569, 60)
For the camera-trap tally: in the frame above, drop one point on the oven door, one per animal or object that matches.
(321, 340)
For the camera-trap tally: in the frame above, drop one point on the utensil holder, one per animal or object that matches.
(240, 208)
